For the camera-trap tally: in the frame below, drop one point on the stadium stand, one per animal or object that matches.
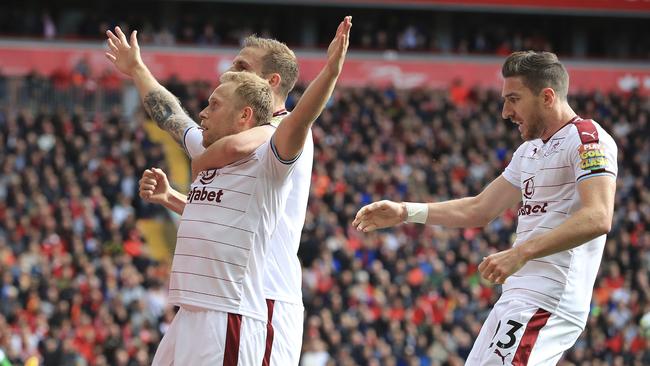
(576, 32)
(79, 286)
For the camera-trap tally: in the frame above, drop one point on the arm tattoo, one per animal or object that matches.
(165, 109)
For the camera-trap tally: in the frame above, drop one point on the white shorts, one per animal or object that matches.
(284, 335)
(518, 333)
(206, 337)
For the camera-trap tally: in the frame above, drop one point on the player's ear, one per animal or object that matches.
(274, 80)
(246, 115)
(548, 95)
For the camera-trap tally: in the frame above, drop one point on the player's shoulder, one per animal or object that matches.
(588, 131)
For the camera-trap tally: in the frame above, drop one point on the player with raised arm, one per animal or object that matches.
(283, 280)
(565, 174)
(209, 192)
(275, 62)
(278, 65)
(272, 60)
(161, 105)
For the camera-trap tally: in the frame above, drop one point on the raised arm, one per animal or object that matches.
(230, 149)
(161, 105)
(290, 136)
(474, 211)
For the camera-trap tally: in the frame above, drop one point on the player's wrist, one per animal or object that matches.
(332, 71)
(415, 212)
(168, 198)
(524, 252)
(403, 212)
(139, 70)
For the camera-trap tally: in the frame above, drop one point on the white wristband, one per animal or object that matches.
(416, 212)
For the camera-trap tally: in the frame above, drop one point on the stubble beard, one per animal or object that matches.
(535, 127)
(208, 140)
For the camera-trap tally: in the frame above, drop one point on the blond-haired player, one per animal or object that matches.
(235, 208)
(283, 281)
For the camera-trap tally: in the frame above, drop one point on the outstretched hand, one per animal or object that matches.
(124, 54)
(379, 215)
(338, 48)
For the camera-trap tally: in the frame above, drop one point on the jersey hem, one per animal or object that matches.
(174, 300)
(287, 299)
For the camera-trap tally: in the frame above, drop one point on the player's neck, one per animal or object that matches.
(566, 113)
(279, 106)
(558, 119)
(278, 101)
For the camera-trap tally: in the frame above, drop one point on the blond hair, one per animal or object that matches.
(278, 59)
(251, 91)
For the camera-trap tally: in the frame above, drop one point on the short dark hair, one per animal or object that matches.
(538, 70)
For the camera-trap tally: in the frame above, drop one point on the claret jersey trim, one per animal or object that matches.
(587, 131)
(593, 156)
(572, 120)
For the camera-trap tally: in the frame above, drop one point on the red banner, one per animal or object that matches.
(358, 71)
(626, 6)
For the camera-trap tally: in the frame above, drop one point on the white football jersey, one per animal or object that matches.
(548, 174)
(283, 278)
(224, 234)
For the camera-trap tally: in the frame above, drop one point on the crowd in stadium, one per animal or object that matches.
(442, 32)
(79, 288)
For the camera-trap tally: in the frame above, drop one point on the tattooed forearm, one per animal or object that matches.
(165, 109)
(158, 106)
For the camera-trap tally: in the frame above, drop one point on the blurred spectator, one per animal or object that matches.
(208, 36)
(49, 28)
(3, 88)
(410, 39)
(164, 37)
(459, 93)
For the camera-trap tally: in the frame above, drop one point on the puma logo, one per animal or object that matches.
(592, 135)
(503, 358)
